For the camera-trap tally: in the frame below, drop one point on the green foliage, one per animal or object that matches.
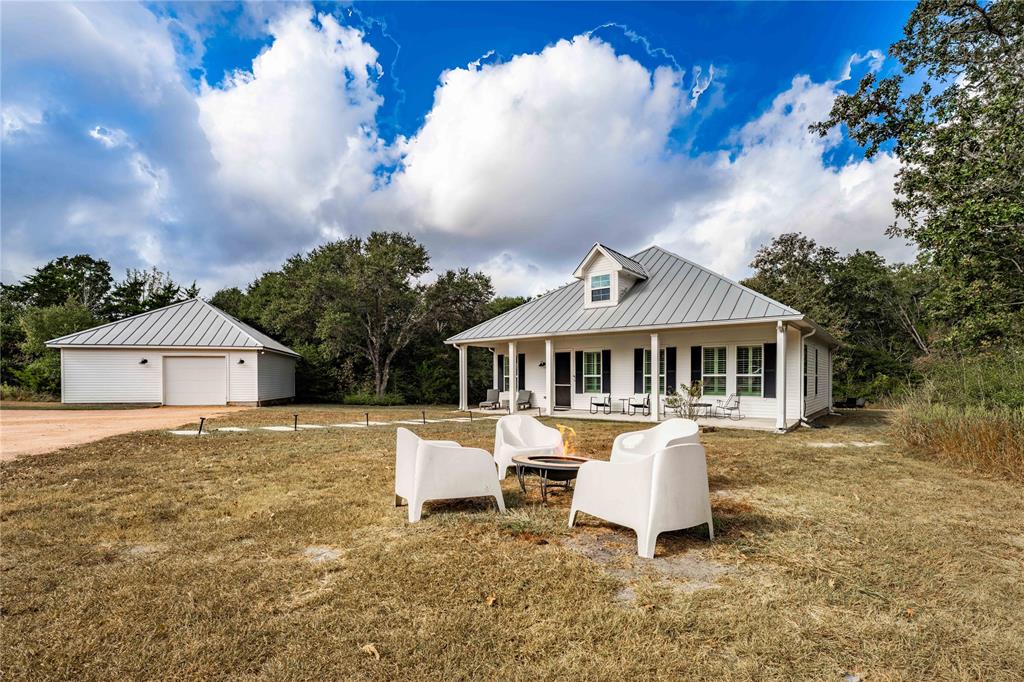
(873, 308)
(142, 291)
(42, 375)
(387, 399)
(230, 300)
(362, 304)
(960, 138)
(21, 394)
(42, 324)
(988, 380)
(79, 278)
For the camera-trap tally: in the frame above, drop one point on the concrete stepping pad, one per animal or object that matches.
(187, 433)
(278, 428)
(311, 426)
(232, 429)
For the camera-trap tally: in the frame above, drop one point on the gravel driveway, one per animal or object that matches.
(33, 432)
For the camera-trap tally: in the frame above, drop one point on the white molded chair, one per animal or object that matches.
(441, 470)
(664, 491)
(520, 434)
(634, 445)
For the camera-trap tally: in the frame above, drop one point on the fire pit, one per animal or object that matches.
(557, 469)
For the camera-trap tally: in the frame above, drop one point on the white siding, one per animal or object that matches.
(242, 378)
(622, 346)
(116, 375)
(276, 376)
(111, 376)
(818, 377)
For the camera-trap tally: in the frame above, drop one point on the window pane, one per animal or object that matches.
(714, 385)
(600, 294)
(600, 281)
(592, 384)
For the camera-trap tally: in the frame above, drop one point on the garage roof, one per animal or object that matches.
(189, 324)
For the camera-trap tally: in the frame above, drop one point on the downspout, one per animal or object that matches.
(803, 377)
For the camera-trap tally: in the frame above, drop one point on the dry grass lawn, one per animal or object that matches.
(280, 556)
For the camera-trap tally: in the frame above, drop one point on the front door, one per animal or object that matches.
(563, 381)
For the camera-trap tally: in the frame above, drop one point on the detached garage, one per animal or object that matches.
(189, 353)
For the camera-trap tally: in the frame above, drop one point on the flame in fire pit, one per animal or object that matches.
(568, 439)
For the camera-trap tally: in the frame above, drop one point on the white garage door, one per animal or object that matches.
(195, 381)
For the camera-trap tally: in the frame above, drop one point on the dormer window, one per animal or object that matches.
(600, 288)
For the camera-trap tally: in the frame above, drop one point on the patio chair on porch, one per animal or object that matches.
(493, 401)
(641, 402)
(667, 490)
(601, 403)
(730, 407)
(524, 400)
(441, 470)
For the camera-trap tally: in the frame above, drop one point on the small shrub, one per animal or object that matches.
(387, 399)
(22, 394)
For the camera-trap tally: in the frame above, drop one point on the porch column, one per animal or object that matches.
(495, 370)
(463, 377)
(780, 376)
(549, 375)
(513, 376)
(655, 377)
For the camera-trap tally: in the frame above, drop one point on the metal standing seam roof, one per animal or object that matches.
(677, 292)
(626, 262)
(189, 324)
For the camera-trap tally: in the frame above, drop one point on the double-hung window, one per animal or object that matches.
(749, 370)
(592, 371)
(506, 379)
(661, 371)
(600, 288)
(713, 372)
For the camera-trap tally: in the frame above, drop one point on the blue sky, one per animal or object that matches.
(214, 140)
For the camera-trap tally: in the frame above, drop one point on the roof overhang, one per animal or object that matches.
(796, 319)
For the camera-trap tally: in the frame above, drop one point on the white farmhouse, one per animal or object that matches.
(189, 353)
(593, 340)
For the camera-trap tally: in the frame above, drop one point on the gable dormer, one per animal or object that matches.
(607, 275)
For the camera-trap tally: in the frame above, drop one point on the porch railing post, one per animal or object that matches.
(655, 375)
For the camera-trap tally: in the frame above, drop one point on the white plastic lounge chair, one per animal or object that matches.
(633, 445)
(441, 470)
(664, 491)
(519, 434)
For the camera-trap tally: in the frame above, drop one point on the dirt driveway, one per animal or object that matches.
(33, 432)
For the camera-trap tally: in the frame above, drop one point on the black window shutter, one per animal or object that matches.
(501, 373)
(606, 371)
(695, 363)
(638, 370)
(579, 371)
(521, 371)
(670, 370)
(770, 350)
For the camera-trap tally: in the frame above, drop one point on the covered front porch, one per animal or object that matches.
(745, 424)
(759, 362)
